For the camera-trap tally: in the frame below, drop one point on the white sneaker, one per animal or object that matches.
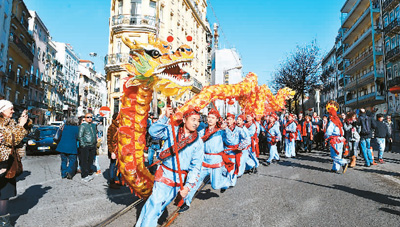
(88, 178)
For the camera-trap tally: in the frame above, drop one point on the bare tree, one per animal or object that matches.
(300, 72)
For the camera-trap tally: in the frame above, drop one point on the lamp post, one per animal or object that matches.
(226, 81)
(317, 99)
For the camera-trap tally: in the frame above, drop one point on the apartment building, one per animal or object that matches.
(36, 95)
(332, 88)
(92, 87)
(20, 57)
(5, 19)
(68, 83)
(362, 62)
(391, 29)
(137, 18)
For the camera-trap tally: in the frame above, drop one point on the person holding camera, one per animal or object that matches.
(12, 134)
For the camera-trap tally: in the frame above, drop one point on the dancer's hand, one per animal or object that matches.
(184, 192)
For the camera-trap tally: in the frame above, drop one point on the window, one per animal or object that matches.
(389, 73)
(394, 71)
(116, 105)
(393, 43)
(136, 7)
(16, 97)
(38, 53)
(391, 16)
(120, 5)
(153, 8)
(116, 84)
(18, 74)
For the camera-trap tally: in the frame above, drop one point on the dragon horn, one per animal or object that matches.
(129, 43)
(151, 38)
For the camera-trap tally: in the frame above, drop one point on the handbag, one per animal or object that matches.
(16, 167)
(57, 136)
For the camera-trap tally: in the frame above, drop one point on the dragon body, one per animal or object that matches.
(153, 67)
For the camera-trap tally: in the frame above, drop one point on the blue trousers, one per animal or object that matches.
(243, 162)
(290, 150)
(381, 144)
(152, 150)
(68, 164)
(155, 205)
(273, 153)
(219, 180)
(113, 171)
(252, 160)
(365, 144)
(338, 161)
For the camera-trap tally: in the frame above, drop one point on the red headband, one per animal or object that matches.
(230, 115)
(274, 116)
(190, 112)
(214, 112)
(242, 117)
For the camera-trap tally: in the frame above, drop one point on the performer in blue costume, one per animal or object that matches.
(154, 144)
(213, 136)
(273, 137)
(290, 136)
(253, 130)
(334, 133)
(167, 183)
(232, 149)
(244, 145)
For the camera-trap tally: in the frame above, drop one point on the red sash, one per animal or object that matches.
(209, 133)
(160, 178)
(182, 143)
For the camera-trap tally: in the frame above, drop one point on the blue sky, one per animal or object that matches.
(263, 31)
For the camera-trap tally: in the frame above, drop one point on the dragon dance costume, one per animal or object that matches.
(254, 152)
(273, 137)
(166, 183)
(245, 145)
(334, 133)
(216, 162)
(290, 129)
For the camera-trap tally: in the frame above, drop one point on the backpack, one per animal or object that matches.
(365, 127)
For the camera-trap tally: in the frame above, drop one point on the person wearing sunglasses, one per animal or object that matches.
(87, 142)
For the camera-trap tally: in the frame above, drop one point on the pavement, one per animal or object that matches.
(293, 192)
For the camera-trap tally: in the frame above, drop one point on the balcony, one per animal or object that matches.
(113, 62)
(393, 28)
(341, 99)
(393, 54)
(394, 82)
(24, 49)
(361, 23)
(360, 82)
(339, 51)
(358, 44)
(370, 99)
(360, 61)
(389, 5)
(127, 22)
(197, 86)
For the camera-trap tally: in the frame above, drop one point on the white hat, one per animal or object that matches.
(4, 105)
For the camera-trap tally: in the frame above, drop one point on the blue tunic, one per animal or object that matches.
(333, 132)
(273, 134)
(290, 150)
(218, 175)
(191, 158)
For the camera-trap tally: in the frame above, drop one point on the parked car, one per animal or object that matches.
(41, 140)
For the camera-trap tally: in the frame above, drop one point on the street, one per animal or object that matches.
(293, 192)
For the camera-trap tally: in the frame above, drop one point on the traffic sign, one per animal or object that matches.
(104, 111)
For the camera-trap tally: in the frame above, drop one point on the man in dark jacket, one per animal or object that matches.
(381, 132)
(390, 126)
(87, 142)
(366, 123)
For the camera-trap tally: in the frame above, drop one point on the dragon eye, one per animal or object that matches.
(153, 53)
(166, 46)
(181, 49)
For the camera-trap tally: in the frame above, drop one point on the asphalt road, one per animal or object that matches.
(293, 192)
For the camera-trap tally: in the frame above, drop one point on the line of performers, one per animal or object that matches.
(221, 151)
